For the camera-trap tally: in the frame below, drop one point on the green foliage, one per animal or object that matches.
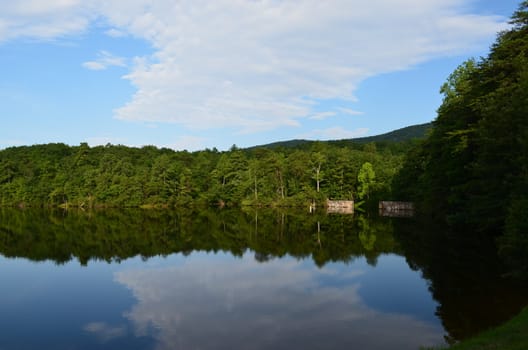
(472, 170)
(117, 234)
(513, 245)
(399, 136)
(366, 178)
(464, 272)
(513, 335)
(117, 176)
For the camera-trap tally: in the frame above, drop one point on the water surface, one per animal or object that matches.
(224, 280)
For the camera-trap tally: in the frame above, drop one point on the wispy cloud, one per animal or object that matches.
(189, 143)
(115, 33)
(104, 331)
(238, 305)
(260, 65)
(322, 115)
(349, 111)
(334, 133)
(104, 60)
(257, 65)
(44, 20)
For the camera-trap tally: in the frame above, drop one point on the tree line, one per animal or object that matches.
(472, 170)
(119, 176)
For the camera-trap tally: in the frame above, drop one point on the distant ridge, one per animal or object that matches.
(404, 134)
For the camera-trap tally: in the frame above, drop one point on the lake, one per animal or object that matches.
(233, 279)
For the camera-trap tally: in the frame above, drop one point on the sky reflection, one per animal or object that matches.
(214, 302)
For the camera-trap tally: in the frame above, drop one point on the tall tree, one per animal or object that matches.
(366, 181)
(318, 159)
(473, 170)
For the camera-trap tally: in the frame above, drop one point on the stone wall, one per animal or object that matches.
(341, 207)
(394, 208)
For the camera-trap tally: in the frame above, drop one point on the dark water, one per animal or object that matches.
(135, 279)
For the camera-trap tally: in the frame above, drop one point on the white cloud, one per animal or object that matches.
(39, 7)
(335, 133)
(349, 111)
(94, 65)
(189, 143)
(228, 303)
(322, 115)
(115, 33)
(104, 60)
(258, 65)
(43, 20)
(105, 332)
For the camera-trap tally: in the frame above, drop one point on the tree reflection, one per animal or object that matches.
(114, 235)
(463, 270)
(466, 276)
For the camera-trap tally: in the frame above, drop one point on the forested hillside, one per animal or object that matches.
(473, 168)
(400, 135)
(119, 176)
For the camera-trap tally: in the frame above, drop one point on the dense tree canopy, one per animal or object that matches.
(119, 176)
(473, 168)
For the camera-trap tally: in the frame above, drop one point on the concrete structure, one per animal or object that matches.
(396, 209)
(340, 207)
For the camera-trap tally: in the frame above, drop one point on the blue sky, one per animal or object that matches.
(196, 74)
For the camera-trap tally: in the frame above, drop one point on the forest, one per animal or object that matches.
(58, 175)
(472, 170)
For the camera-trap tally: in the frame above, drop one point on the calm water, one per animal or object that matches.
(241, 280)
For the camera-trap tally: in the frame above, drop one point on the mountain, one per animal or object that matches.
(404, 134)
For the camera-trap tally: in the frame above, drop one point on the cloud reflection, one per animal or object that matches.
(239, 303)
(105, 332)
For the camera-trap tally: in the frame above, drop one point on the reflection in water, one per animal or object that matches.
(114, 235)
(465, 275)
(105, 332)
(210, 302)
(367, 236)
(259, 279)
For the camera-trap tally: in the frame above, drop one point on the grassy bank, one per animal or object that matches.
(512, 335)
